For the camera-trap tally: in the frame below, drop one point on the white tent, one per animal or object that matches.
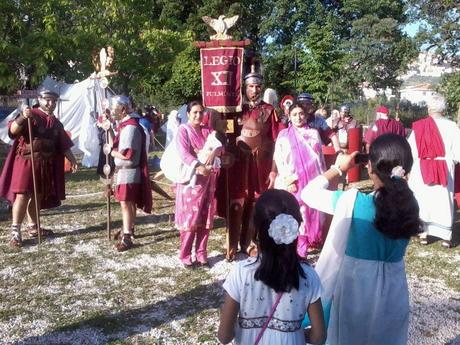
(75, 110)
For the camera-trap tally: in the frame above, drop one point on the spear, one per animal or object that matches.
(34, 178)
(34, 181)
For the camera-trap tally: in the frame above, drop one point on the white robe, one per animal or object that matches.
(368, 299)
(437, 202)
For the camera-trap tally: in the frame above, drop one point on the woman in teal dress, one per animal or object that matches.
(361, 266)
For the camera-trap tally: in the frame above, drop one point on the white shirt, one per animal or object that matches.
(256, 301)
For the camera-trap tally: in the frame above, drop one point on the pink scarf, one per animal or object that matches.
(304, 158)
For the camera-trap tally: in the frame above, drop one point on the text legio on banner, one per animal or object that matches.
(221, 78)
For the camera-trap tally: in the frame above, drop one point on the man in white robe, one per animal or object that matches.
(436, 200)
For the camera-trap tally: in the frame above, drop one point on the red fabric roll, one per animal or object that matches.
(354, 144)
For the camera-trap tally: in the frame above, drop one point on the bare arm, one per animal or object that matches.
(228, 315)
(367, 147)
(272, 176)
(116, 154)
(21, 121)
(335, 142)
(317, 333)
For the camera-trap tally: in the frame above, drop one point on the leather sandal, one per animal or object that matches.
(124, 244)
(251, 250)
(117, 234)
(231, 256)
(33, 233)
(204, 264)
(15, 241)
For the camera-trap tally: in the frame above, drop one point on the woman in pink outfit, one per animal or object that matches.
(298, 158)
(195, 207)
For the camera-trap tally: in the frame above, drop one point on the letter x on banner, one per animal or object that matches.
(221, 78)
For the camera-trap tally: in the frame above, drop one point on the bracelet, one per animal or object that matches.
(336, 168)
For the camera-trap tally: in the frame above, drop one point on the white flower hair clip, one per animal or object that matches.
(397, 172)
(283, 229)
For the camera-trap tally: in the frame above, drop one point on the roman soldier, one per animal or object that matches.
(251, 147)
(50, 145)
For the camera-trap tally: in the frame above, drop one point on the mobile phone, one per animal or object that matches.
(361, 158)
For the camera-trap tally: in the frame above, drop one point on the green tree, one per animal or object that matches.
(322, 59)
(376, 49)
(338, 46)
(440, 32)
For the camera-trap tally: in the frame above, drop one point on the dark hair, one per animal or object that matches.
(191, 104)
(397, 211)
(279, 264)
(293, 106)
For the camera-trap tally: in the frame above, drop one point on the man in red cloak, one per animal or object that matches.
(50, 145)
(383, 124)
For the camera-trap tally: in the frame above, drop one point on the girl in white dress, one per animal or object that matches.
(267, 295)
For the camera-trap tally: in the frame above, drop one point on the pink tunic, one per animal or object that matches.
(298, 157)
(195, 207)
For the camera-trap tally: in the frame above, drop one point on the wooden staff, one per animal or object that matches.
(227, 212)
(34, 179)
(107, 173)
(106, 149)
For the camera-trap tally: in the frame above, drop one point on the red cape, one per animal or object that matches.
(429, 146)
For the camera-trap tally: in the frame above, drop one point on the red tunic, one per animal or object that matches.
(50, 144)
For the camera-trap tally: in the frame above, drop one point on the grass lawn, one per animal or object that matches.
(76, 289)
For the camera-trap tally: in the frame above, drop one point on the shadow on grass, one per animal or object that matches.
(65, 209)
(127, 323)
(117, 224)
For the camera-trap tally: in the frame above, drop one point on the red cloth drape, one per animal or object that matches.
(429, 146)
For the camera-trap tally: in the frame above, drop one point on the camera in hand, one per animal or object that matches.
(361, 158)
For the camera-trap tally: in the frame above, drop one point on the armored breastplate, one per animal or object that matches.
(254, 134)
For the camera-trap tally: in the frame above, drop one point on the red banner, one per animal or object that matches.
(221, 78)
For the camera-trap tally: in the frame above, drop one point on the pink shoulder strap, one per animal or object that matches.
(264, 327)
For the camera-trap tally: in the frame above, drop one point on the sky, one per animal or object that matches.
(411, 29)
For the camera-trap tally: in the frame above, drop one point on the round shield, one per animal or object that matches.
(106, 169)
(106, 149)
